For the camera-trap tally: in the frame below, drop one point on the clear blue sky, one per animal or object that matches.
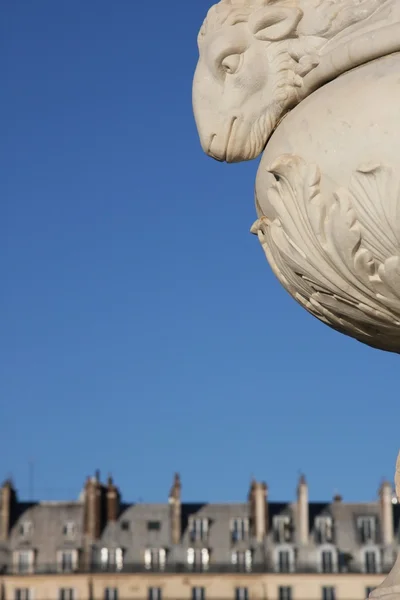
(142, 331)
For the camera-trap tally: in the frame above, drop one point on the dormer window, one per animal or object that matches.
(198, 559)
(324, 530)
(155, 558)
(367, 529)
(328, 561)
(125, 525)
(242, 560)
(199, 530)
(111, 559)
(25, 528)
(67, 561)
(372, 561)
(282, 526)
(239, 529)
(284, 559)
(69, 529)
(24, 561)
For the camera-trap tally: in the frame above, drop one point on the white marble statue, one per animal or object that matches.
(315, 86)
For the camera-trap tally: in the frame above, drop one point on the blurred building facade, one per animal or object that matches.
(99, 548)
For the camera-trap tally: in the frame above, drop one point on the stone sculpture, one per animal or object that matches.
(315, 86)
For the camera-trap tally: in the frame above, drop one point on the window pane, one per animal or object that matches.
(285, 593)
(154, 593)
(198, 593)
(241, 593)
(111, 594)
(284, 561)
(328, 593)
(66, 594)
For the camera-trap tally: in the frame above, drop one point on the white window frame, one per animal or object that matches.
(378, 562)
(324, 528)
(69, 529)
(155, 558)
(117, 563)
(199, 528)
(280, 527)
(247, 562)
(193, 553)
(74, 560)
(292, 560)
(25, 528)
(239, 527)
(334, 553)
(30, 562)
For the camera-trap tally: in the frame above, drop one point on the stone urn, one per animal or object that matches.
(314, 85)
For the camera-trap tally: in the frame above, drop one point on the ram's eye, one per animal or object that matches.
(231, 63)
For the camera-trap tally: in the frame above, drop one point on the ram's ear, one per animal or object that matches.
(273, 23)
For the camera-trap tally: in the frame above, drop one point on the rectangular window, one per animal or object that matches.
(242, 560)
(154, 559)
(239, 529)
(26, 528)
(282, 529)
(67, 561)
(24, 561)
(198, 593)
(324, 530)
(198, 558)
(328, 593)
(111, 559)
(241, 593)
(198, 530)
(370, 562)
(367, 529)
(284, 561)
(285, 593)
(69, 529)
(327, 561)
(153, 525)
(154, 593)
(66, 594)
(22, 594)
(111, 593)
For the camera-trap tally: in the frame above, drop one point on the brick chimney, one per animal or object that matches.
(93, 507)
(175, 510)
(258, 508)
(302, 511)
(113, 501)
(386, 513)
(8, 500)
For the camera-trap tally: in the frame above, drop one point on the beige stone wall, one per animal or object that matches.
(174, 587)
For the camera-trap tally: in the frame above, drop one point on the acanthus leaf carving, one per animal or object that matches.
(335, 254)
